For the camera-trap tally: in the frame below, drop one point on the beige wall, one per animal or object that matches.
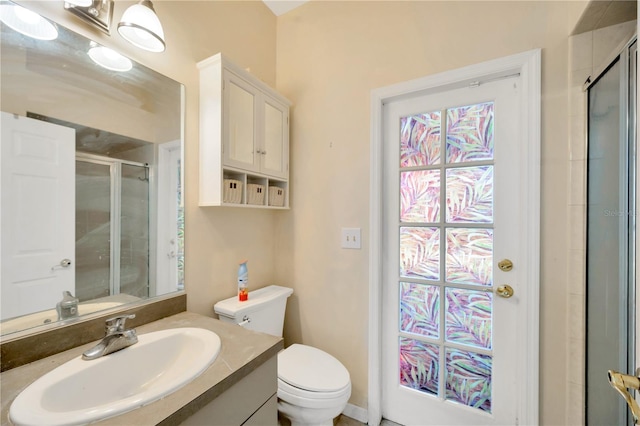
(330, 55)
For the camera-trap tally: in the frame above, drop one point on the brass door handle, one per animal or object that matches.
(622, 382)
(505, 291)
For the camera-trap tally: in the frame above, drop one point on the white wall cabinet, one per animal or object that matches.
(244, 138)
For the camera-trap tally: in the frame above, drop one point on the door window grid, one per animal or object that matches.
(453, 343)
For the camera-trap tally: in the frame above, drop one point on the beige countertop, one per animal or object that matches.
(242, 352)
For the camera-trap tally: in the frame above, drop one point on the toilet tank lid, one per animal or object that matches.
(232, 307)
(311, 369)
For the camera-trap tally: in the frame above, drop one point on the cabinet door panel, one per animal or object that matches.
(240, 128)
(275, 149)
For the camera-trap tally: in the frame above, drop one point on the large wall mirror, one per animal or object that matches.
(91, 210)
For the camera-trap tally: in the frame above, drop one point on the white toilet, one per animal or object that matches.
(313, 386)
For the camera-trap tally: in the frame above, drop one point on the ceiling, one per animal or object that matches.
(280, 7)
(600, 14)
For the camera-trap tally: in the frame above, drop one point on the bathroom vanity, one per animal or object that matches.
(238, 388)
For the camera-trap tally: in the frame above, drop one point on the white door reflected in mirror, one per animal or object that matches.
(37, 171)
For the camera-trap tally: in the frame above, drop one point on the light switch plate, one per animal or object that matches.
(351, 238)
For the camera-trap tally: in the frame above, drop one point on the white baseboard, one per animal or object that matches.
(356, 413)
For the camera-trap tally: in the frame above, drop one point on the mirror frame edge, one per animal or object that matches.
(21, 350)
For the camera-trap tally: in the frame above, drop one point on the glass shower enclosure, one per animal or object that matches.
(611, 237)
(112, 227)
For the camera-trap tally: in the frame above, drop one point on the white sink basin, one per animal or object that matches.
(79, 392)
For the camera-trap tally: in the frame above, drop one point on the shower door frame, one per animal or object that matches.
(115, 168)
(630, 247)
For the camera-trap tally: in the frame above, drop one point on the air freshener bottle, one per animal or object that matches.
(243, 282)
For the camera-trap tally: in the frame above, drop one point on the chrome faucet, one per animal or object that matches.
(118, 337)
(67, 307)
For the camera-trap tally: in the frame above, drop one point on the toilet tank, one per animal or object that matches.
(264, 311)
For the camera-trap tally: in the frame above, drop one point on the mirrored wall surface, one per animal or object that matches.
(90, 175)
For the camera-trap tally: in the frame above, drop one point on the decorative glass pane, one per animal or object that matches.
(420, 139)
(420, 253)
(470, 133)
(468, 317)
(470, 194)
(468, 378)
(420, 309)
(469, 258)
(419, 365)
(420, 196)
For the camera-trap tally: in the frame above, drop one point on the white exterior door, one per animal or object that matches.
(452, 212)
(37, 168)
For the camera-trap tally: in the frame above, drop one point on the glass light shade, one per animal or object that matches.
(109, 59)
(141, 27)
(27, 22)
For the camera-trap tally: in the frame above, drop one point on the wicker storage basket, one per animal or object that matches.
(232, 191)
(255, 194)
(276, 196)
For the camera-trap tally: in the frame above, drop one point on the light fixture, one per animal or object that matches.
(96, 12)
(80, 3)
(27, 22)
(108, 58)
(141, 27)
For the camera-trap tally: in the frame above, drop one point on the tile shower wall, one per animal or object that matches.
(589, 53)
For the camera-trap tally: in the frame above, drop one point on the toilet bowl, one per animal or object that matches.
(313, 386)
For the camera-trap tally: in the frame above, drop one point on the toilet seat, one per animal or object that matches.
(310, 399)
(303, 393)
(311, 369)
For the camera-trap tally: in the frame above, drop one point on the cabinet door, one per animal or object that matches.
(239, 124)
(275, 147)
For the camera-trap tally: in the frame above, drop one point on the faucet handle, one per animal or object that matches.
(622, 382)
(116, 324)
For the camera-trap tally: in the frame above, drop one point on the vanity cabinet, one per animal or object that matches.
(251, 401)
(244, 138)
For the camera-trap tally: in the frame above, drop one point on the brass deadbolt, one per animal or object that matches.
(505, 265)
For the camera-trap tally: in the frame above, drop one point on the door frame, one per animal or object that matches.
(528, 65)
